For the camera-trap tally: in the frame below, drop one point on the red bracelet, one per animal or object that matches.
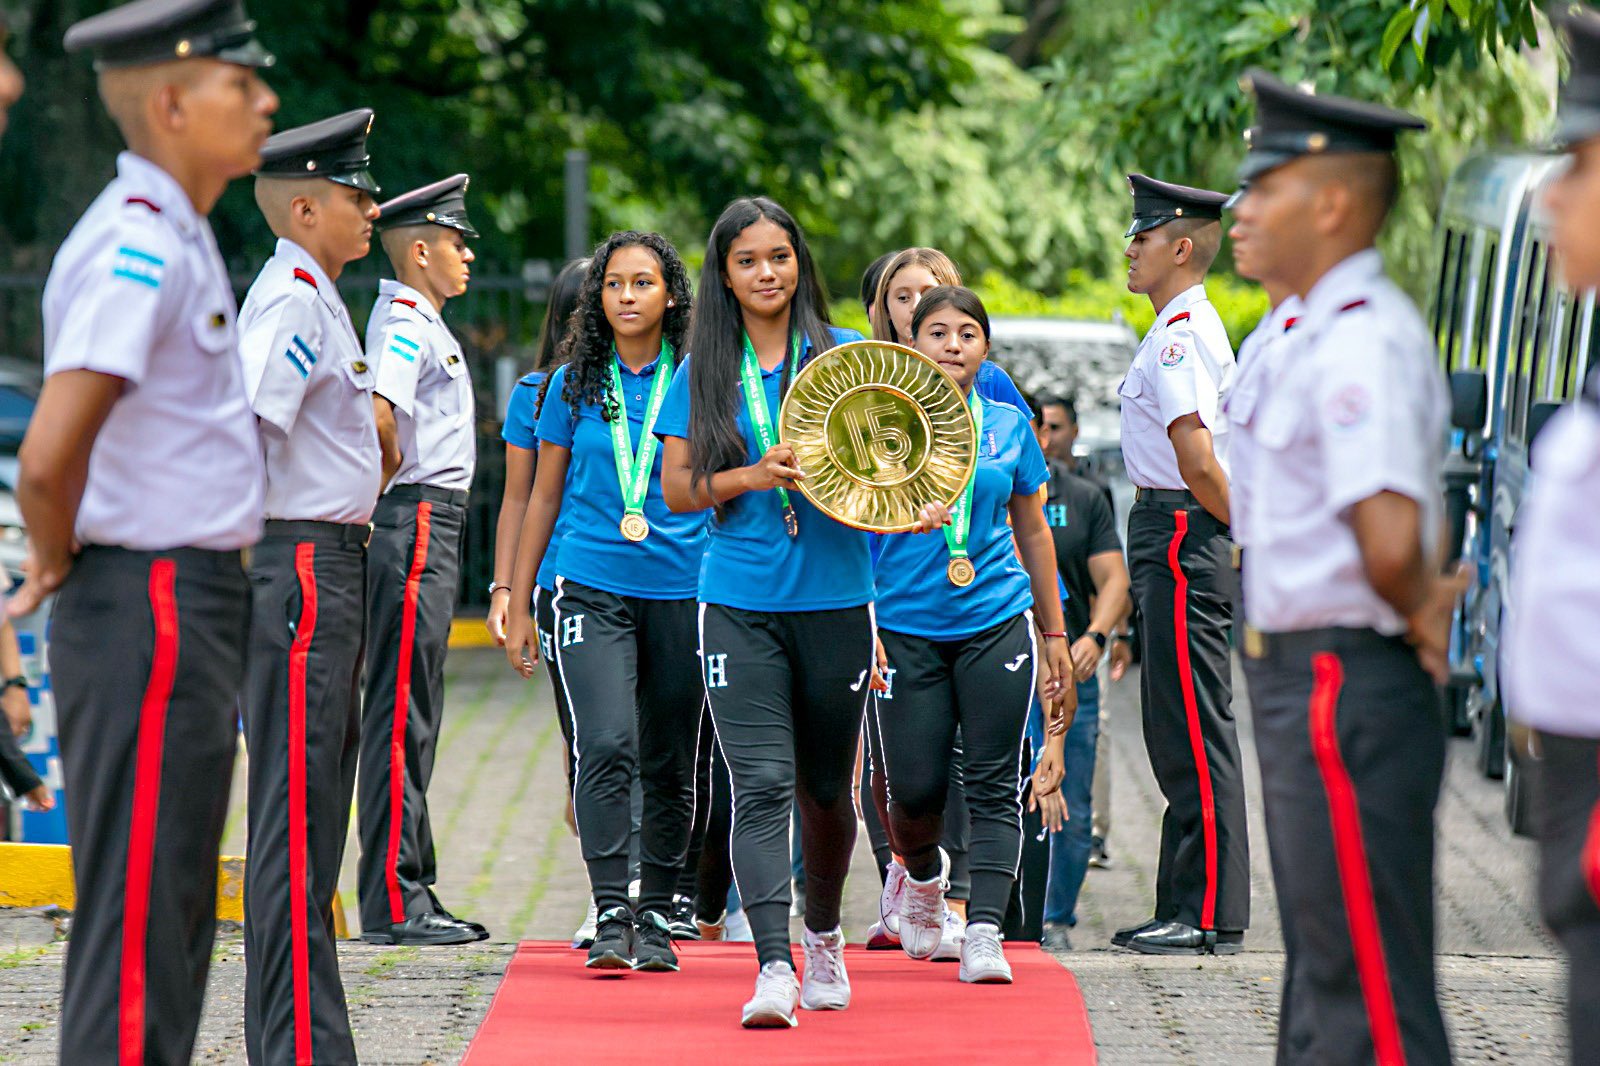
(1042, 633)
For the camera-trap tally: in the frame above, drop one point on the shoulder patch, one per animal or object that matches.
(1181, 316)
(1349, 407)
(305, 276)
(1290, 323)
(140, 201)
(1352, 305)
(300, 356)
(404, 347)
(404, 302)
(1173, 354)
(138, 266)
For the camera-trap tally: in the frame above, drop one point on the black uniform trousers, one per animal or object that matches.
(708, 867)
(1175, 554)
(957, 838)
(413, 565)
(635, 702)
(788, 690)
(1566, 784)
(1351, 745)
(983, 686)
(544, 623)
(147, 655)
(302, 722)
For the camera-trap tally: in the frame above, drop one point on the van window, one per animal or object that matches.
(1482, 324)
(1454, 323)
(1530, 297)
(1567, 354)
(1553, 310)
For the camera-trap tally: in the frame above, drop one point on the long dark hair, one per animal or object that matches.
(558, 310)
(961, 298)
(586, 349)
(716, 336)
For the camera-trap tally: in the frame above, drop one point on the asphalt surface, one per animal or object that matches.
(507, 860)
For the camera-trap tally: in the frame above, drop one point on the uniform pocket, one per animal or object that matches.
(1133, 385)
(214, 332)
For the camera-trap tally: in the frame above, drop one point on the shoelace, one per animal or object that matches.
(820, 959)
(773, 980)
(894, 886)
(984, 949)
(923, 904)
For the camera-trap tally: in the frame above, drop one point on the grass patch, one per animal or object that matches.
(509, 813)
(12, 959)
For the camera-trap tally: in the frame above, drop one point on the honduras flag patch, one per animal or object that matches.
(142, 268)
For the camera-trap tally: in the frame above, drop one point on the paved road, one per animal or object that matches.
(507, 860)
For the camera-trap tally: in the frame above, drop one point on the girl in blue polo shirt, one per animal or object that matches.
(956, 620)
(626, 576)
(785, 594)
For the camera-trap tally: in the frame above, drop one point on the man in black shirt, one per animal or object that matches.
(1089, 556)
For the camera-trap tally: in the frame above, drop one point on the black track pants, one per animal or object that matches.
(1175, 556)
(787, 692)
(635, 697)
(147, 656)
(544, 622)
(412, 569)
(1566, 801)
(302, 729)
(1352, 748)
(983, 686)
(957, 837)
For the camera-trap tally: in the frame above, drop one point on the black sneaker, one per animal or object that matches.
(652, 948)
(613, 941)
(682, 920)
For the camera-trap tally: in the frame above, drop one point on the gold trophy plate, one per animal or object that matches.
(880, 430)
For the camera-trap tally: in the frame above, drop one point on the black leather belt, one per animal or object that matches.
(1181, 497)
(344, 533)
(1299, 645)
(455, 497)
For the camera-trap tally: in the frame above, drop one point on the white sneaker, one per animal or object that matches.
(894, 886)
(583, 939)
(922, 911)
(717, 930)
(826, 985)
(949, 949)
(736, 927)
(879, 938)
(777, 994)
(983, 961)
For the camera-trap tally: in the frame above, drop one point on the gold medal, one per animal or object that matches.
(961, 572)
(634, 527)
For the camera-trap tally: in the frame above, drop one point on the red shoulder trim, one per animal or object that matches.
(305, 276)
(409, 303)
(1181, 316)
(1290, 323)
(142, 202)
(1352, 305)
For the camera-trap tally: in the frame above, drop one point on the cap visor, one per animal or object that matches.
(1232, 201)
(1256, 164)
(1148, 222)
(250, 53)
(361, 179)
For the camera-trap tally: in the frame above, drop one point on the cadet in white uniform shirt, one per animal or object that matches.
(424, 408)
(140, 484)
(311, 389)
(1348, 612)
(1550, 663)
(1174, 446)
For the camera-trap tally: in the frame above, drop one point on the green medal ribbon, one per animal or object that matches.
(960, 527)
(755, 397)
(633, 468)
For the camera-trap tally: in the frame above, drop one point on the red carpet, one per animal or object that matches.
(550, 1009)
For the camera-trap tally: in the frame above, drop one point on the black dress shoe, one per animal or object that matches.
(1176, 938)
(1121, 937)
(426, 928)
(478, 931)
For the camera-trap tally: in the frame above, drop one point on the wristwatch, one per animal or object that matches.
(15, 682)
(496, 586)
(1099, 638)
(1126, 638)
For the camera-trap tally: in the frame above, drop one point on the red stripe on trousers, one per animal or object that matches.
(1591, 855)
(146, 807)
(299, 651)
(1349, 850)
(402, 701)
(1191, 711)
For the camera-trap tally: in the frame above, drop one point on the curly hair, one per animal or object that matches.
(586, 347)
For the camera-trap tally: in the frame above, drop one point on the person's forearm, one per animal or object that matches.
(682, 494)
(507, 533)
(10, 652)
(1110, 605)
(1208, 484)
(49, 503)
(1038, 552)
(532, 543)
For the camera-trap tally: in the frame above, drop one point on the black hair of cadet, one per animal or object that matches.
(959, 297)
(870, 278)
(1066, 403)
(586, 350)
(716, 337)
(558, 308)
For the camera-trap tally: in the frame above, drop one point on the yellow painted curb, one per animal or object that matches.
(39, 875)
(470, 633)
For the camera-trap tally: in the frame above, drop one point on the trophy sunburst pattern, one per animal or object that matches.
(880, 430)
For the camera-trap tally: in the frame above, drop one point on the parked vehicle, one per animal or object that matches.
(1516, 345)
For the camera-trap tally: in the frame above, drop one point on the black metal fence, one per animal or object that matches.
(497, 322)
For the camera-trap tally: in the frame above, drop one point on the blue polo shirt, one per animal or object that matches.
(915, 595)
(753, 564)
(520, 430)
(663, 566)
(992, 381)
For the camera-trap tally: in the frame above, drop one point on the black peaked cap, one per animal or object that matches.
(159, 31)
(443, 203)
(1156, 203)
(333, 148)
(1291, 123)
(1578, 108)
